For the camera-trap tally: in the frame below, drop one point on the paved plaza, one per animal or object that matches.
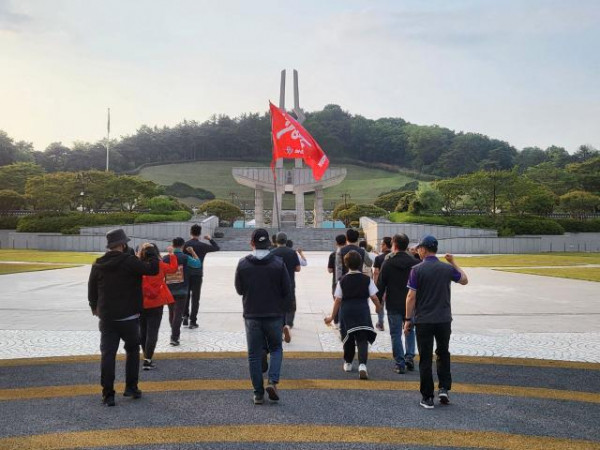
(497, 314)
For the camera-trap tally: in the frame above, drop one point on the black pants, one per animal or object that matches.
(149, 326)
(426, 333)
(356, 339)
(290, 315)
(111, 333)
(193, 297)
(176, 315)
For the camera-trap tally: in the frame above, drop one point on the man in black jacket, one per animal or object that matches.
(391, 282)
(264, 284)
(196, 275)
(115, 296)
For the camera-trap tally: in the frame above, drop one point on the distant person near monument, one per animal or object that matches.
(263, 281)
(386, 248)
(115, 296)
(428, 300)
(196, 274)
(292, 263)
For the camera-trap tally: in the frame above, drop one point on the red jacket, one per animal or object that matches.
(155, 290)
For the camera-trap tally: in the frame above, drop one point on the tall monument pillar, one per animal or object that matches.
(297, 181)
(259, 206)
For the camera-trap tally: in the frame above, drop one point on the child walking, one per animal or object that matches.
(352, 296)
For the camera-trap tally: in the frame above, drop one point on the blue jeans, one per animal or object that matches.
(396, 322)
(259, 331)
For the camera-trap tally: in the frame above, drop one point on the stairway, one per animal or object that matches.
(309, 239)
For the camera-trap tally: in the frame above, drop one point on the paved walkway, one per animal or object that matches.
(204, 401)
(497, 314)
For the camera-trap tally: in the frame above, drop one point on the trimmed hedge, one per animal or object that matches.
(181, 190)
(580, 226)
(506, 225)
(69, 223)
(9, 222)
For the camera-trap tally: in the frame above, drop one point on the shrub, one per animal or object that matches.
(404, 217)
(9, 222)
(174, 216)
(357, 211)
(224, 210)
(404, 202)
(181, 190)
(390, 201)
(341, 207)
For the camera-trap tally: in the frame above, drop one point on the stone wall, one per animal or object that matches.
(480, 241)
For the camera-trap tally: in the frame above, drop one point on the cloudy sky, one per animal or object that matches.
(523, 71)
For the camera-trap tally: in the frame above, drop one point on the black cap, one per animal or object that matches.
(260, 239)
(429, 242)
(117, 237)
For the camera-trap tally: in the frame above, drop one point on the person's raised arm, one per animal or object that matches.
(213, 247)
(150, 267)
(171, 266)
(463, 276)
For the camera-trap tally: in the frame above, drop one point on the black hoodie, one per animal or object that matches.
(264, 285)
(393, 279)
(115, 284)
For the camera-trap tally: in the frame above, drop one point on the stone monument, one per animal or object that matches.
(298, 181)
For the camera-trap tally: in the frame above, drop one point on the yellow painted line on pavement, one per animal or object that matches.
(304, 384)
(294, 433)
(487, 360)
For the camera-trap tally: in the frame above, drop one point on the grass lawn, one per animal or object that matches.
(530, 260)
(7, 268)
(575, 273)
(48, 257)
(363, 184)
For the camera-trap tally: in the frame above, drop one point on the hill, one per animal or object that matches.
(363, 184)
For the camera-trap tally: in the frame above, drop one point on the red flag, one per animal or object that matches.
(291, 140)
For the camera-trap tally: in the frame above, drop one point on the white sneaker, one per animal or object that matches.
(362, 372)
(347, 367)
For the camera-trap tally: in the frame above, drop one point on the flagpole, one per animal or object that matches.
(273, 169)
(107, 139)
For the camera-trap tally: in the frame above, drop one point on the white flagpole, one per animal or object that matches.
(107, 139)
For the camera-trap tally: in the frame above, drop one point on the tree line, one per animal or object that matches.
(431, 150)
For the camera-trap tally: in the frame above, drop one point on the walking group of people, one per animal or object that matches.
(128, 293)
(128, 290)
(414, 286)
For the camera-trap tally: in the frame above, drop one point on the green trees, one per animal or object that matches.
(14, 176)
(577, 203)
(11, 200)
(355, 212)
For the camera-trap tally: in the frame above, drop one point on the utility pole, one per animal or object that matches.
(345, 196)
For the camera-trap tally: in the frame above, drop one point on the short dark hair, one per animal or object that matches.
(387, 241)
(401, 241)
(274, 239)
(289, 243)
(352, 235)
(340, 239)
(362, 244)
(195, 230)
(178, 242)
(352, 260)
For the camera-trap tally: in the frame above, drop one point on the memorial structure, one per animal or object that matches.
(298, 181)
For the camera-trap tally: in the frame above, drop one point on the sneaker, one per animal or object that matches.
(410, 365)
(380, 327)
(265, 362)
(174, 342)
(401, 369)
(148, 364)
(272, 392)
(185, 322)
(287, 336)
(427, 403)
(259, 399)
(443, 396)
(347, 367)
(193, 325)
(132, 392)
(362, 372)
(108, 400)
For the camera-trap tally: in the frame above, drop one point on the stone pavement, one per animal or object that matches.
(497, 314)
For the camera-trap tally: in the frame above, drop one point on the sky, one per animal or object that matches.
(527, 72)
